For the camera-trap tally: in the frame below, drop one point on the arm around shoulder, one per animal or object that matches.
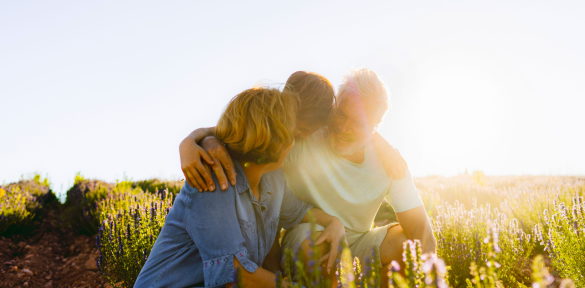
(393, 162)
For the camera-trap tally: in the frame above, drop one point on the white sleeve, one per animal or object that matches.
(403, 195)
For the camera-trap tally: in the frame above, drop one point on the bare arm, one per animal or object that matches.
(259, 278)
(334, 233)
(393, 162)
(212, 151)
(416, 225)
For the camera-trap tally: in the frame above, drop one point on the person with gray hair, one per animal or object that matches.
(339, 170)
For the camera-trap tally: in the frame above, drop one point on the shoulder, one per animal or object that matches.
(207, 200)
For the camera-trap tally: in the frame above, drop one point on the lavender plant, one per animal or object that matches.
(157, 185)
(565, 238)
(130, 224)
(420, 270)
(82, 207)
(459, 233)
(21, 202)
(486, 276)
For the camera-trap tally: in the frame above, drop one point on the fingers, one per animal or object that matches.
(228, 166)
(322, 237)
(205, 174)
(219, 174)
(199, 180)
(323, 258)
(206, 157)
(208, 172)
(332, 255)
(191, 180)
(202, 177)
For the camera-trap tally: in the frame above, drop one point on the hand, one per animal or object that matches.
(394, 164)
(222, 161)
(197, 173)
(334, 233)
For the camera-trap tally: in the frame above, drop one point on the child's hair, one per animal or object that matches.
(316, 94)
(366, 84)
(258, 124)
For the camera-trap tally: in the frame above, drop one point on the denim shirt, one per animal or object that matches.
(203, 232)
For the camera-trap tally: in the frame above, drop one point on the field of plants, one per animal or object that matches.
(512, 231)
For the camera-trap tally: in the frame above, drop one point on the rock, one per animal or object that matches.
(90, 264)
(26, 261)
(8, 263)
(27, 272)
(29, 256)
(21, 244)
(19, 274)
(25, 284)
(64, 259)
(107, 285)
(48, 277)
(14, 269)
(49, 284)
(27, 247)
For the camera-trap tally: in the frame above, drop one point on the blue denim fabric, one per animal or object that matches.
(204, 231)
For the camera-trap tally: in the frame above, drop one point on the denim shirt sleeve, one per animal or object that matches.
(213, 224)
(292, 210)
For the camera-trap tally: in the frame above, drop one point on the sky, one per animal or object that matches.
(110, 88)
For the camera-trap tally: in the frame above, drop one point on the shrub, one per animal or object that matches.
(82, 204)
(487, 276)
(460, 234)
(156, 185)
(21, 202)
(130, 224)
(419, 270)
(565, 239)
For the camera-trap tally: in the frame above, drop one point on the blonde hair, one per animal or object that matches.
(366, 84)
(258, 124)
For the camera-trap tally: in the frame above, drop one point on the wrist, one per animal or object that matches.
(188, 141)
(332, 220)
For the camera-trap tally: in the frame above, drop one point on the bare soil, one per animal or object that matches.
(49, 256)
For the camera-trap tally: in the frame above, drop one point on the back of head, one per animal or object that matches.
(316, 94)
(258, 124)
(366, 84)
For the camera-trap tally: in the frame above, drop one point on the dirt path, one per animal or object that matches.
(49, 257)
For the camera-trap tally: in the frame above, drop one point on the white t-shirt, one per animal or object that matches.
(349, 191)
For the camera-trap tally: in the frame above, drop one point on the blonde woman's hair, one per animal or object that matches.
(366, 84)
(258, 124)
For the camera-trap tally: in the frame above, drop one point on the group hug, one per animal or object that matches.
(281, 160)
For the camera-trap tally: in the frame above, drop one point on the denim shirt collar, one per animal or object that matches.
(242, 184)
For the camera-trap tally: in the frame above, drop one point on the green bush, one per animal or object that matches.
(156, 185)
(82, 204)
(565, 239)
(21, 202)
(130, 224)
(460, 235)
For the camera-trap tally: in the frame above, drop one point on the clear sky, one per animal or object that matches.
(110, 88)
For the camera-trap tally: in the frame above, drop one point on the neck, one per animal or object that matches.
(358, 157)
(254, 174)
